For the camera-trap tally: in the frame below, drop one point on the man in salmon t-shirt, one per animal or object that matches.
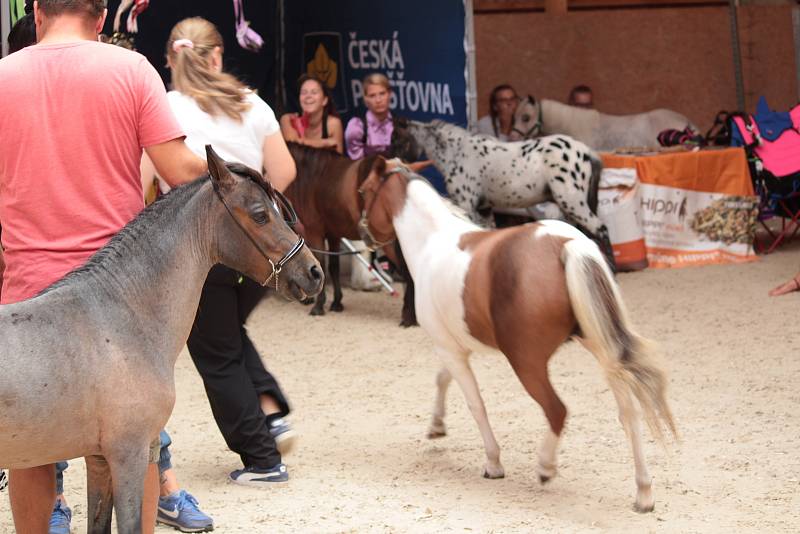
(75, 115)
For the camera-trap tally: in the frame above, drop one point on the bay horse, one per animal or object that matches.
(601, 131)
(100, 345)
(522, 291)
(481, 171)
(326, 195)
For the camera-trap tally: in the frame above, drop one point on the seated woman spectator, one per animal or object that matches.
(498, 123)
(581, 96)
(372, 133)
(319, 124)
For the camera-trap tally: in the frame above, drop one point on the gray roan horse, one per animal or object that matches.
(99, 346)
(534, 118)
(480, 171)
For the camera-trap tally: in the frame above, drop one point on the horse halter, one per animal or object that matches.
(291, 222)
(534, 130)
(369, 239)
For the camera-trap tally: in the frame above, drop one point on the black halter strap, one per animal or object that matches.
(291, 221)
(534, 130)
(371, 243)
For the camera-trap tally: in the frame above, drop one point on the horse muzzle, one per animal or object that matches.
(304, 277)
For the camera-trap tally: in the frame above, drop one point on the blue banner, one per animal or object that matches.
(417, 44)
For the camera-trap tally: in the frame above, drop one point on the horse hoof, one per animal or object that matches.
(543, 480)
(436, 434)
(337, 307)
(491, 476)
(317, 311)
(307, 301)
(408, 323)
(643, 508)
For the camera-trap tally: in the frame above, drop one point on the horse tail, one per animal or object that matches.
(626, 357)
(594, 182)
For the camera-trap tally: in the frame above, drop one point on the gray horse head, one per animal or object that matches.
(255, 239)
(527, 119)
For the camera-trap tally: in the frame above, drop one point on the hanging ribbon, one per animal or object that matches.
(140, 5)
(123, 6)
(248, 38)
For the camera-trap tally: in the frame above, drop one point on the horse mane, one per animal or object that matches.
(431, 201)
(153, 215)
(312, 164)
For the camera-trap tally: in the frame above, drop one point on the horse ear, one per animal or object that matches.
(220, 175)
(531, 100)
(379, 166)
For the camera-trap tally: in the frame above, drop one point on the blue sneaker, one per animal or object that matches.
(60, 518)
(285, 438)
(260, 476)
(180, 510)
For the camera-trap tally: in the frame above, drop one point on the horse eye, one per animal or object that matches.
(259, 217)
(526, 118)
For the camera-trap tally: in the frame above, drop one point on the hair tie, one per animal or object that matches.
(181, 43)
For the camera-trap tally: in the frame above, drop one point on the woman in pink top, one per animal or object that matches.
(372, 133)
(319, 124)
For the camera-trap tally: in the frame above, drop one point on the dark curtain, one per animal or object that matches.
(257, 70)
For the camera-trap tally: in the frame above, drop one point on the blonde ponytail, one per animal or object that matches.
(189, 49)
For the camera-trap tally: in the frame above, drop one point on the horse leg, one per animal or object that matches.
(319, 302)
(437, 428)
(458, 366)
(408, 316)
(632, 423)
(128, 467)
(100, 495)
(531, 369)
(333, 271)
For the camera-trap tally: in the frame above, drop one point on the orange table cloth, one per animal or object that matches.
(695, 208)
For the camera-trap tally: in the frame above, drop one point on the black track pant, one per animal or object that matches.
(231, 367)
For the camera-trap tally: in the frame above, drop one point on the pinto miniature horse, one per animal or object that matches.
(100, 345)
(326, 195)
(523, 291)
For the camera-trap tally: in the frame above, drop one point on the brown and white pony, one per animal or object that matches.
(523, 291)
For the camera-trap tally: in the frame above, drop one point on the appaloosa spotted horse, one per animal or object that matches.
(481, 171)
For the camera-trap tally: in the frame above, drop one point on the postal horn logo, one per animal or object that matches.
(323, 67)
(322, 57)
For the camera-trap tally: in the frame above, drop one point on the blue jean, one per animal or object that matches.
(164, 462)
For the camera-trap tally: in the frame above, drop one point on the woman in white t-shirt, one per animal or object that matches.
(215, 108)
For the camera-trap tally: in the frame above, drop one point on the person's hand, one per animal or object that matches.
(787, 287)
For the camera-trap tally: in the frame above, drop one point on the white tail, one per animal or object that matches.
(625, 356)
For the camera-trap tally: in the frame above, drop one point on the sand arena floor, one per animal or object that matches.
(362, 390)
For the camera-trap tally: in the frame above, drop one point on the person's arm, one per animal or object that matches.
(175, 163)
(354, 138)
(318, 143)
(336, 134)
(288, 131)
(279, 165)
(791, 285)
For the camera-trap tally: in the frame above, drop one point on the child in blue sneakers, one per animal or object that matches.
(176, 507)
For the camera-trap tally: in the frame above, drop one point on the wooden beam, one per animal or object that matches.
(555, 7)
